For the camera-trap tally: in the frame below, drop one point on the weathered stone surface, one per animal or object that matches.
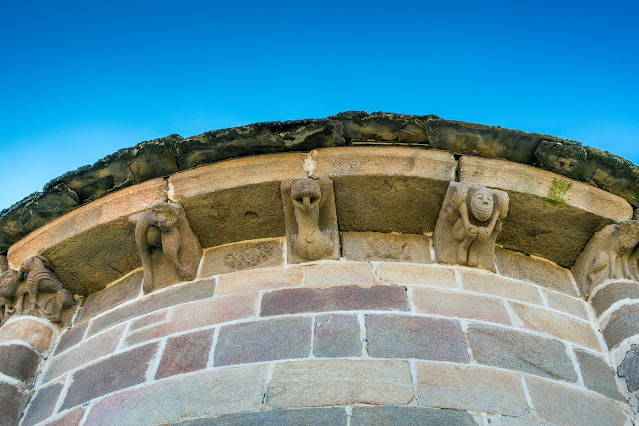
(13, 402)
(549, 215)
(241, 256)
(522, 267)
(185, 353)
(71, 337)
(386, 247)
(259, 138)
(92, 245)
(498, 286)
(559, 404)
(629, 368)
(296, 417)
(150, 319)
(473, 388)
(266, 340)
(72, 418)
(195, 291)
(400, 189)
(19, 362)
(613, 174)
(83, 353)
(567, 304)
(623, 323)
(461, 305)
(333, 274)
(262, 279)
(400, 273)
(336, 336)
(565, 157)
(520, 351)
(611, 293)
(468, 225)
(487, 141)
(409, 416)
(339, 382)
(114, 373)
(557, 325)
(198, 314)
(240, 197)
(34, 211)
(403, 336)
(310, 219)
(29, 331)
(146, 160)
(127, 289)
(4, 264)
(207, 394)
(42, 405)
(512, 421)
(360, 126)
(598, 375)
(346, 298)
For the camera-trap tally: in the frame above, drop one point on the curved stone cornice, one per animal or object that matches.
(162, 157)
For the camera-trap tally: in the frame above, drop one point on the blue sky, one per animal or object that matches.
(79, 80)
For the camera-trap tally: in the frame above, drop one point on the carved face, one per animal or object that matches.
(33, 262)
(9, 283)
(163, 216)
(306, 193)
(482, 204)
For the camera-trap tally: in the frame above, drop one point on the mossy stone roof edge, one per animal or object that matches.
(165, 156)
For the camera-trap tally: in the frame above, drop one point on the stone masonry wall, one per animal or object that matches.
(382, 336)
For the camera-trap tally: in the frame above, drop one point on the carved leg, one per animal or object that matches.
(462, 250)
(170, 246)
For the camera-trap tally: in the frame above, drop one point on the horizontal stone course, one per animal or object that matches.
(265, 340)
(81, 354)
(555, 324)
(205, 394)
(185, 353)
(29, 331)
(72, 418)
(150, 319)
(335, 274)
(153, 302)
(520, 351)
(43, 404)
(404, 336)
(19, 362)
(567, 304)
(560, 404)
(414, 274)
(386, 247)
(482, 282)
(408, 416)
(242, 256)
(259, 279)
(458, 304)
(613, 292)
(114, 373)
(319, 383)
(296, 417)
(71, 337)
(343, 298)
(201, 313)
(475, 388)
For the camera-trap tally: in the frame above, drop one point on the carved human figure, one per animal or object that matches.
(468, 225)
(612, 253)
(165, 226)
(312, 229)
(9, 281)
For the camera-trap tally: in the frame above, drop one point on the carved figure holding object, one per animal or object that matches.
(469, 223)
(163, 226)
(40, 279)
(310, 229)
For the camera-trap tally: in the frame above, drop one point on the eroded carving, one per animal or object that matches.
(35, 280)
(249, 257)
(311, 221)
(169, 250)
(468, 225)
(612, 253)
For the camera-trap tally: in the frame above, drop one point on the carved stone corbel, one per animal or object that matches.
(311, 219)
(169, 250)
(468, 225)
(612, 253)
(33, 290)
